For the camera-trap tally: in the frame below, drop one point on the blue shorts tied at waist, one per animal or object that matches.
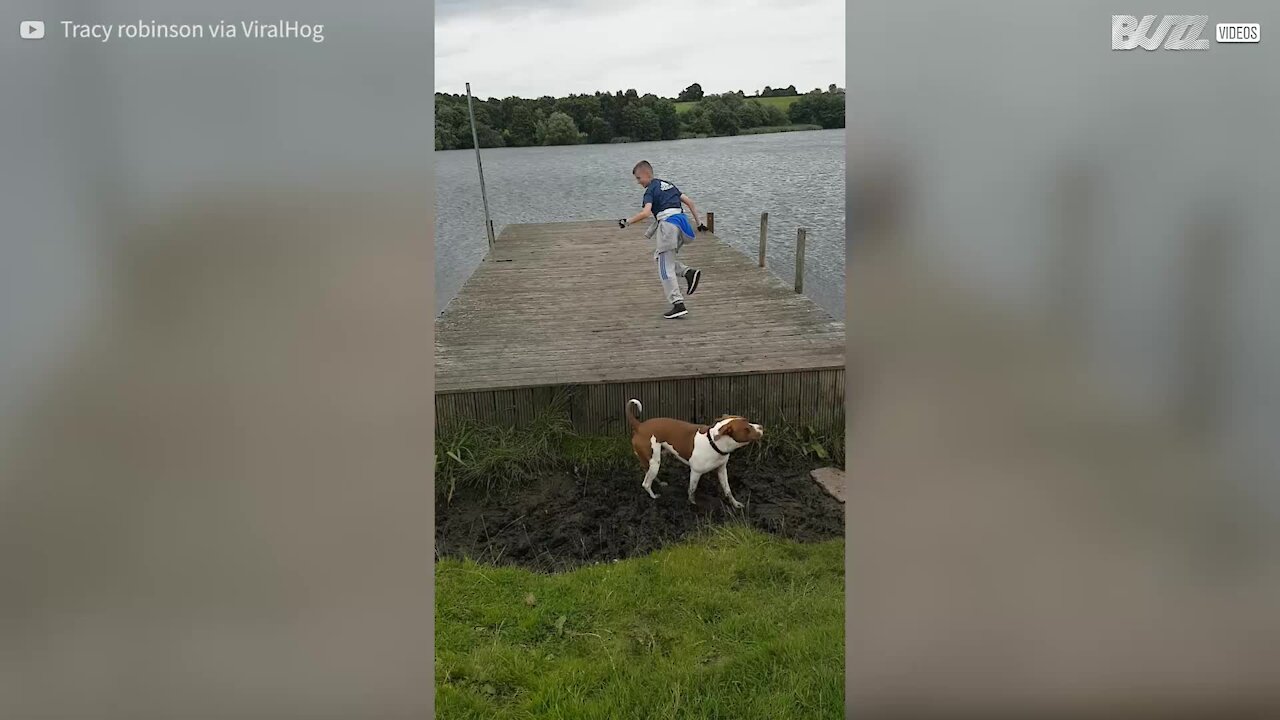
(682, 221)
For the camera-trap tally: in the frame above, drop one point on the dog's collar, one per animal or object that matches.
(713, 443)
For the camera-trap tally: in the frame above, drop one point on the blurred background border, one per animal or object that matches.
(1063, 370)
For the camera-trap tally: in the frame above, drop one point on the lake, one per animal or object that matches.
(798, 178)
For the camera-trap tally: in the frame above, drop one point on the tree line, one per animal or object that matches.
(694, 92)
(622, 117)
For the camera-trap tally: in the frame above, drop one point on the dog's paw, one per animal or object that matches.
(737, 505)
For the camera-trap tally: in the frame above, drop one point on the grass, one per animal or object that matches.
(782, 103)
(777, 129)
(736, 624)
(488, 458)
(764, 129)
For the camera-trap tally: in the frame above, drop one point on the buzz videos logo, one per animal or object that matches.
(1176, 32)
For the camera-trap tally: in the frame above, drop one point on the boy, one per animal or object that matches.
(663, 201)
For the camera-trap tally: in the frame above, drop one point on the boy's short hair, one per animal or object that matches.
(642, 164)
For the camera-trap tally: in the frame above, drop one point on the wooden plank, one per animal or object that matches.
(574, 308)
(533, 379)
(599, 409)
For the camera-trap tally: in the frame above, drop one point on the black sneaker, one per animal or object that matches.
(676, 311)
(693, 277)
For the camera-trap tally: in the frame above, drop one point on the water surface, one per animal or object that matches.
(798, 178)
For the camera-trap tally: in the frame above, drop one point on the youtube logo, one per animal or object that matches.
(31, 29)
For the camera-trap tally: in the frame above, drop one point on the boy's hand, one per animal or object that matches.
(622, 223)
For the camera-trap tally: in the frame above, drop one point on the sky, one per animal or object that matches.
(531, 48)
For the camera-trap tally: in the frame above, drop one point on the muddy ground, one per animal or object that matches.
(567, 521)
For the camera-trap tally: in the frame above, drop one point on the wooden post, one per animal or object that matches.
(800, 259)
(764, 233)
(711, 222)
(475, 140)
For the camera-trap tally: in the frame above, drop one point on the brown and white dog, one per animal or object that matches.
(703, 448)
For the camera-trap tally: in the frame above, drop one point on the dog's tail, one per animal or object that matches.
(631, 418)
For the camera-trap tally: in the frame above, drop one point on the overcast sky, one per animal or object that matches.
(531, 48)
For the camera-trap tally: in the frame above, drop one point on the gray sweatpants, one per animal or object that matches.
(668, 241)
(670, 270)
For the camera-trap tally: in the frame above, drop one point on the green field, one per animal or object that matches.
(737, 624)
(777, 129)
(782, 103)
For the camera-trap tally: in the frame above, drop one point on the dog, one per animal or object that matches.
(703, 448)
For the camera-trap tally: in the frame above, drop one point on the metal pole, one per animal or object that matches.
(475, 140)
(800, 259)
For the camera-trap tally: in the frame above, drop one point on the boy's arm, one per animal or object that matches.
(692, 210)
(648, 208)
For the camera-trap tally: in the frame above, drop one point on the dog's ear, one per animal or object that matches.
(742, 430)
(724, 430)
(737, 429)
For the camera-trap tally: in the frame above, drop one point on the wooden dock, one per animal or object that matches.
(573, 311)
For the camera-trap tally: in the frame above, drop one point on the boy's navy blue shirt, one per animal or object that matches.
(663, 195)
